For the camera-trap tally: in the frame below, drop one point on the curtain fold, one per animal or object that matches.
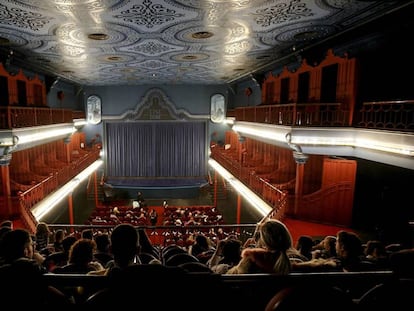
(156, 149)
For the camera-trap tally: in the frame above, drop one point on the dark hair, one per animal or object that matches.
(124, 243)
(14, 243)
(67, 242)
(232, 251)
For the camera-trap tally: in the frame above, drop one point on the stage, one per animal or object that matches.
(153, 188)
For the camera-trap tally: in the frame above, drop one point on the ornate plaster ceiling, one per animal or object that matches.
(118, 42)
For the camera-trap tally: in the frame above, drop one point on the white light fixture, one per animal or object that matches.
(79, 122)
(262, 130)
(385, 141)
(229, 120)
(259, 205)
(42, 133)
(50, 202)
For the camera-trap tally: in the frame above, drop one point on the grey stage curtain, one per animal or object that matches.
(156, 149)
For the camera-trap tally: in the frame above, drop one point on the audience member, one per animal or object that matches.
(202, 248)
(270, 255)
(58, 237)
(349, 256)
(304, 246)
(43, 235)
(22, 276)
(153, 216)
(226, 255)
(81, 258)
(87, 234)
(125, 249)
(375, 252)
(60, 259)
(102, 253)
(326, 248)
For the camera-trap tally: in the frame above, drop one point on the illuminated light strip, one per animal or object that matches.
(79, 122)
(324, 141)
(229, 121)
(261, 206)
(343, 138)
(390, 148)
(30, 138)
(256, 131)
(51, 201)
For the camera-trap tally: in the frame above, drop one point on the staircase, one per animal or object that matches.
(223, 189)
(99, 188)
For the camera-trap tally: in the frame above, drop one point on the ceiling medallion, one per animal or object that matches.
(98, 36)
(202, 35)
(114, 58)
(189, 57)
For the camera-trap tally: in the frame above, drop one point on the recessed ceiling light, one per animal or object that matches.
(202, 35)
(189, 57)
(98, 36)
(127, 70)
(114, 58)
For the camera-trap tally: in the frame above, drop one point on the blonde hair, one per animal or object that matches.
(275, 236)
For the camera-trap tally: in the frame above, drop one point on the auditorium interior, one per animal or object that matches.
(316, 133)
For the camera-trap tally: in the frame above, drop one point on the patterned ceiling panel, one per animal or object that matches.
(117, 42)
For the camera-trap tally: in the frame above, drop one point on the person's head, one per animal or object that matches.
(67, 243)
(202, 240)
(375, 249)
(305, 245)
(87, 234)
(275, 236)
(59, 235)
(329, 243)
(17, 244)
(348, 245)
(232, 250)
(81, 252)
(124, 244)
(102, 242)
(42, 228)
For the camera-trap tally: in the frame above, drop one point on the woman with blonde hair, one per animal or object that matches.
(271, 252)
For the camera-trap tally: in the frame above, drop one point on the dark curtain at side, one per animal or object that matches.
(156, 149)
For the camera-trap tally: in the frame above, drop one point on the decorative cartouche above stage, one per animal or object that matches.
(156, 105)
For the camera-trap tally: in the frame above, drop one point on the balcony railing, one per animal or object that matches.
(387, 115)
(18, 117)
